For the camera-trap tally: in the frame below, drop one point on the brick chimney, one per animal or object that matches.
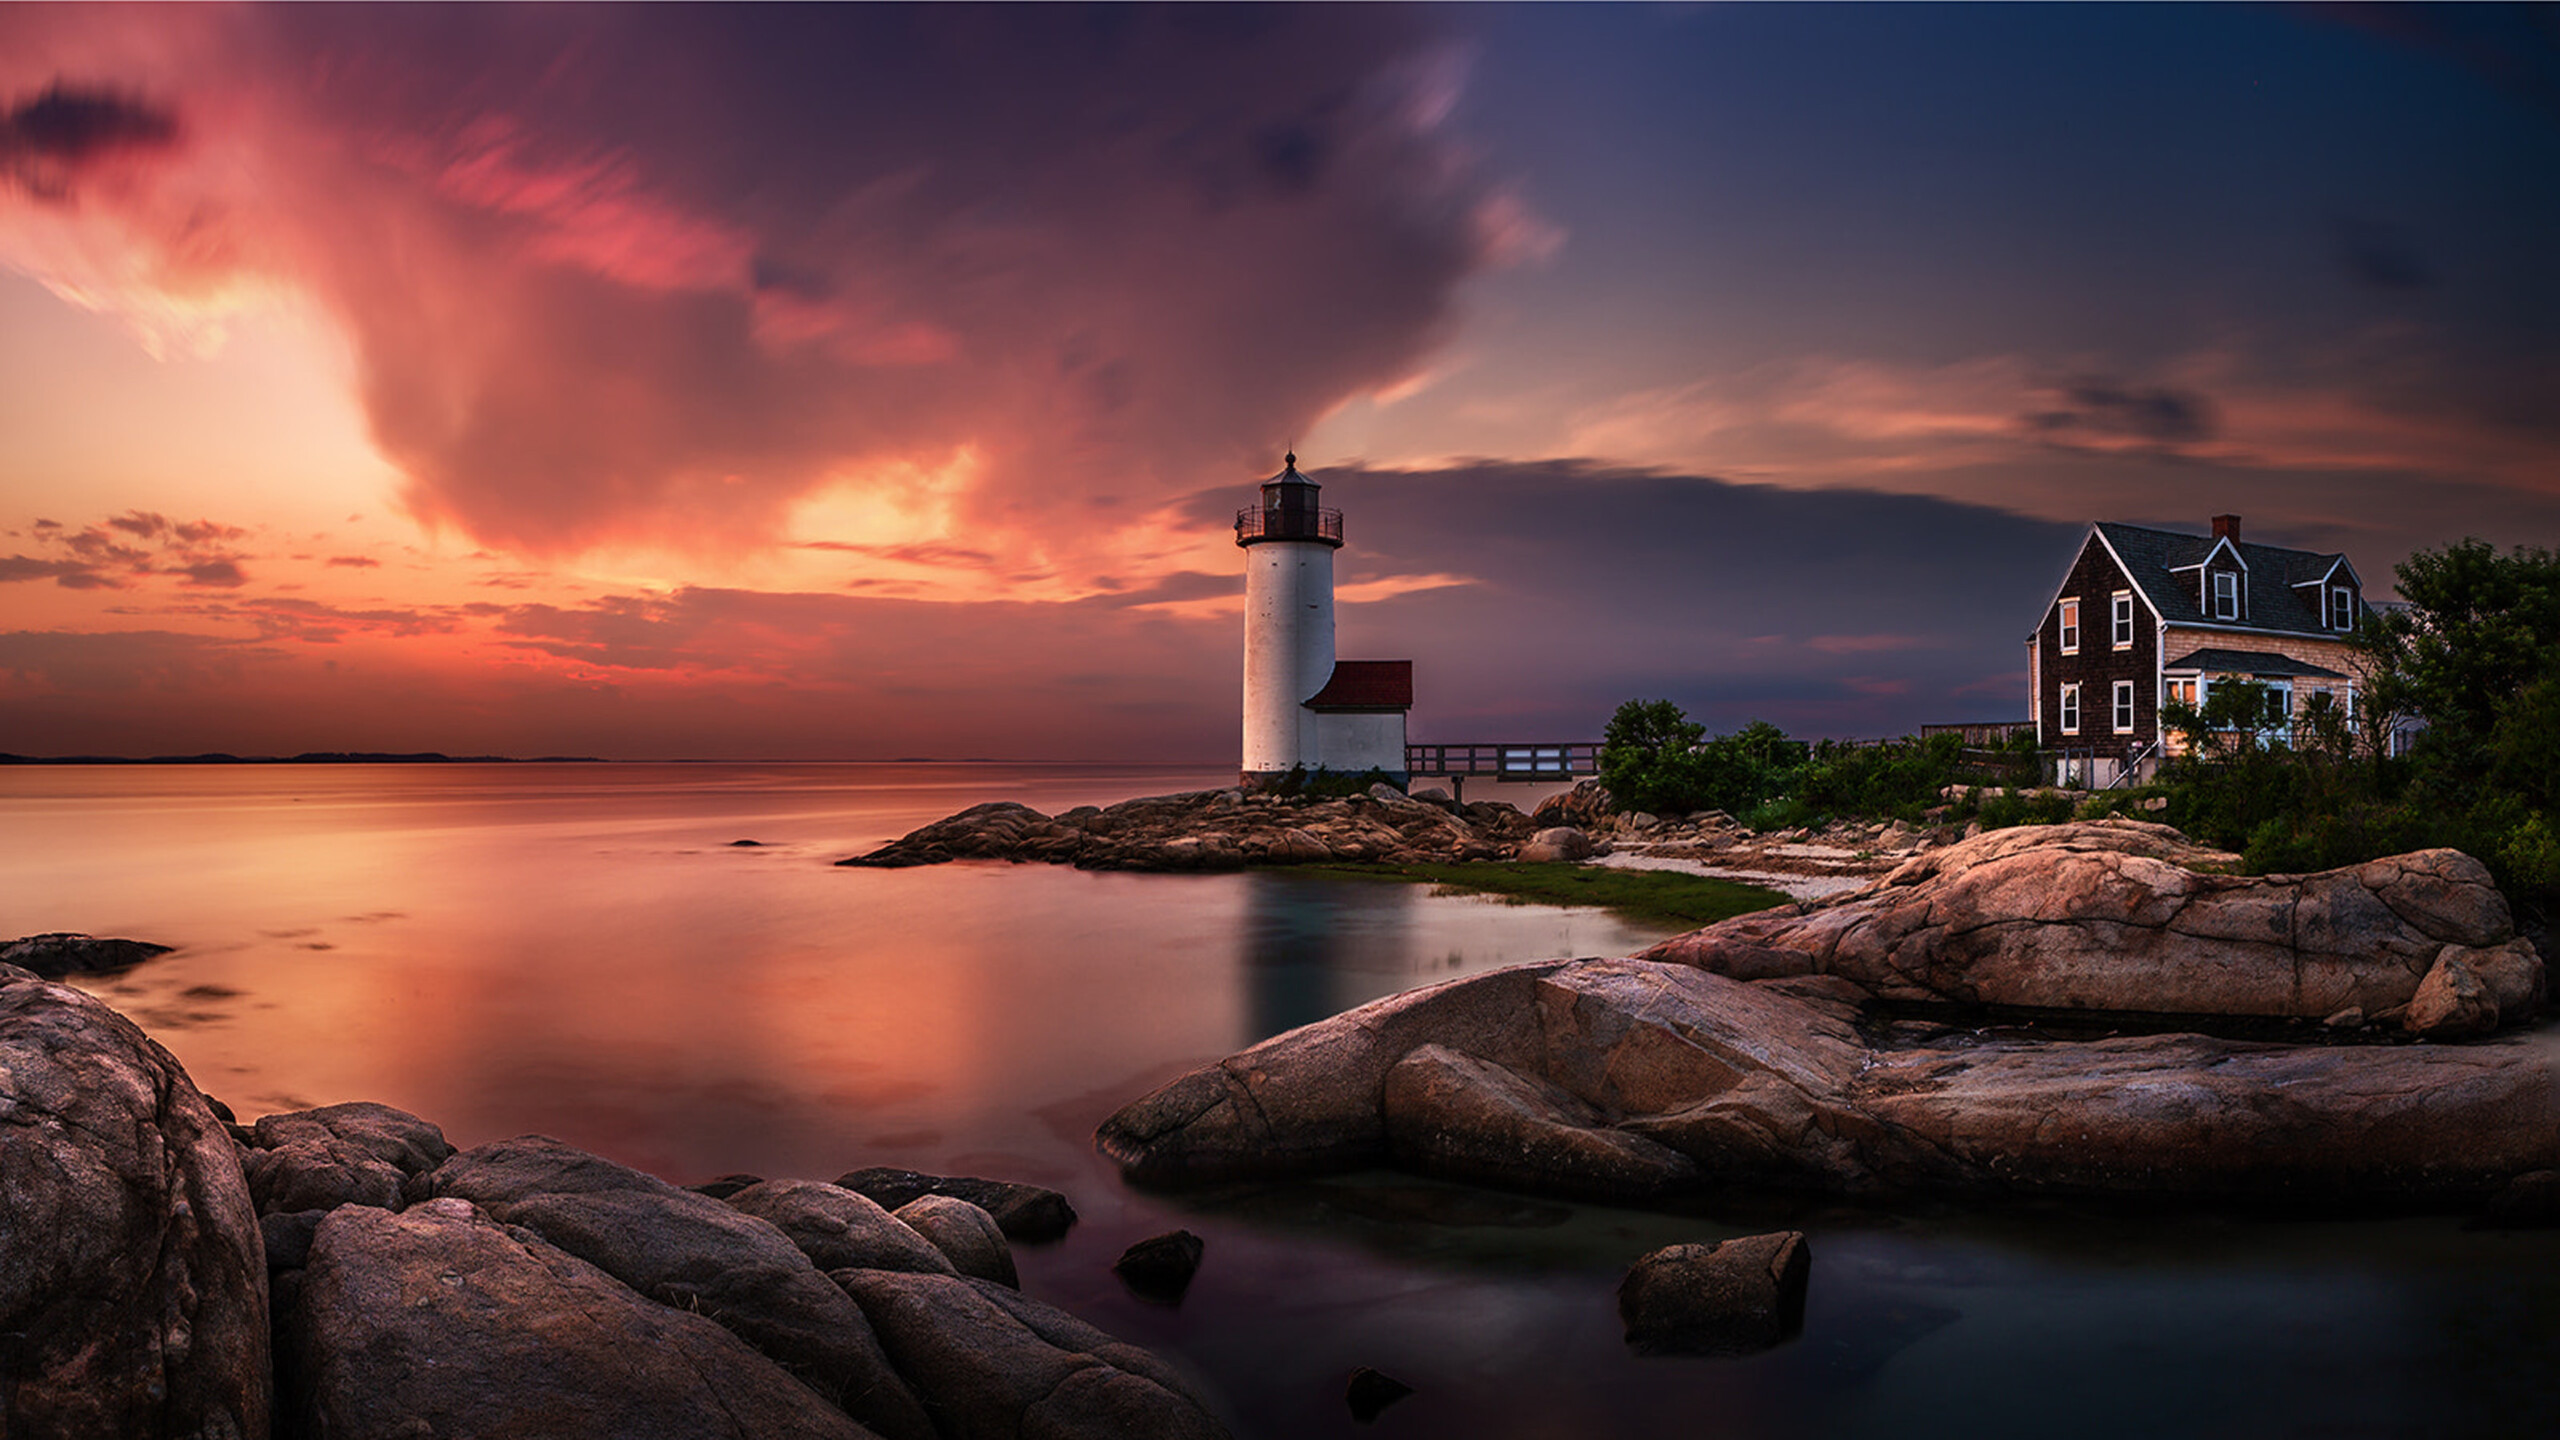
(2227, 527)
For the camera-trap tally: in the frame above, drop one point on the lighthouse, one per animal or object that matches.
(1303, 710)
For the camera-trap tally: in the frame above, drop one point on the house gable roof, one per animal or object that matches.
(2154, 557)
(1371, 686)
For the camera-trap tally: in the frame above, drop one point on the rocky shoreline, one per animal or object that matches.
(1758, 1054)
(345, 1272)
(1233, 829)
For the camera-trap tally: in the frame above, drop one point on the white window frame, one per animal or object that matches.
(2071, 626)
(2123, 620)
(2226, 594)
(2070, 705)
(2124, 707)
(2342, 608)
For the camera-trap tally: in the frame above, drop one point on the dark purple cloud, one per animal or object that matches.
(2110, 412)
(45, 142)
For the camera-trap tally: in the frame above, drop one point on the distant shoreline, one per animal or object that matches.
(313, 757)
(433, 757)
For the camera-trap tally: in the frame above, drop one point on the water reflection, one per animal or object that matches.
(1309, 949)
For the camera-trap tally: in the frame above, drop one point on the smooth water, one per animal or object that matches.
(580, 950)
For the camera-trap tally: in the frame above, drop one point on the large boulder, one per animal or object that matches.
(360, 1153)
(695, 1253)
(966, 1235)
(993, 1365)
(133, 1297)
(440, 1321)
(1558, 842)
(1773, 1084)
(1217, 1123)
(1584, 807)
(2126, 918)
(1448, 1113)
(839, 1229)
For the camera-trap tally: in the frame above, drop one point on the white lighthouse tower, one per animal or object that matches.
(1301, 709)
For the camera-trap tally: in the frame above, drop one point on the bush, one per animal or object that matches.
(1897, 779)
(2035, 807)
(1653, 757)
(1328, 784)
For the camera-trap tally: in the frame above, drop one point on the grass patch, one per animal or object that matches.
(1671, 897)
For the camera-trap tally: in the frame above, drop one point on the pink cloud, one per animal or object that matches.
(657, 275)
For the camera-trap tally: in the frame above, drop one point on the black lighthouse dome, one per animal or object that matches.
(1289, 511)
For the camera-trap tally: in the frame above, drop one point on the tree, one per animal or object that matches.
(2479, 631)
(1647, 757)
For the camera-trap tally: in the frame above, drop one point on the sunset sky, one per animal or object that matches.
(857, 383)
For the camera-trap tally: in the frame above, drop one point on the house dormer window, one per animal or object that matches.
(2070, 627)
(2342, 608)
(2123, 607)
(2226, 595)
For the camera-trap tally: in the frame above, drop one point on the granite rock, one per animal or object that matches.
(133, 1277)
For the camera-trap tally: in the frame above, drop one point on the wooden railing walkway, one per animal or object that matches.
(1507, 760)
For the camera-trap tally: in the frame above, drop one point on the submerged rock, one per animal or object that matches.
(1370, 1392)
(133, 1280)
(2122, 917)
(1159, 1268)
(55, 955)
(1027, 1213)
(1727, 1298)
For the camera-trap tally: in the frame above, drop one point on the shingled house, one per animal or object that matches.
(2146, 616)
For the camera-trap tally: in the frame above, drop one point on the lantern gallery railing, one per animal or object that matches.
(1257, 523)
(1526, 760)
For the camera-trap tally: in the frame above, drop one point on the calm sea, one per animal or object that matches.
(582, 950)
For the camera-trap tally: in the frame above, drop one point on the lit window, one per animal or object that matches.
(2071, 708)
(2070, 627)
(2124, 707)
(2226, 595)
(2124, 620)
